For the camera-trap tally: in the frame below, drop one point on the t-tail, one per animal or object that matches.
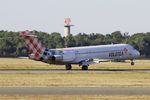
(33, 45)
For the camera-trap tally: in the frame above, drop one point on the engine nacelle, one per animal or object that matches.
(66, 56)
(57, 58)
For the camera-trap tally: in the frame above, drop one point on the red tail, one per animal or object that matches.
(33, 44)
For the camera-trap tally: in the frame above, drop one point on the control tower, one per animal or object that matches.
(67, 27)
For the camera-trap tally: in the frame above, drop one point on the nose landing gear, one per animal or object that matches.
(132, 62)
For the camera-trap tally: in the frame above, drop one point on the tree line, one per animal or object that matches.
(12, 45)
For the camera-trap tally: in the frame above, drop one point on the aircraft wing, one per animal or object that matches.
(102, 60)
(87, 62)
(93, 61)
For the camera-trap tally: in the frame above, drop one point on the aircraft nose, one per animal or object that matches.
(136, 53)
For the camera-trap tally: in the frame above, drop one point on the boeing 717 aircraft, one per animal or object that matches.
(84, 56)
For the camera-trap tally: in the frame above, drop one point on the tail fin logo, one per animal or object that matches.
(33, 44)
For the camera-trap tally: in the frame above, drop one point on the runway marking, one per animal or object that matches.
(76, 90)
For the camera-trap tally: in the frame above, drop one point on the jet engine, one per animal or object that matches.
(67, 56)
(57, 58)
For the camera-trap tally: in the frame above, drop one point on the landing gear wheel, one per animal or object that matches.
(84, 67)
(132, 63)
(68, 67)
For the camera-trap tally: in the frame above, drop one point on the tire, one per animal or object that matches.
(132, 63)
(84, 67)
(68, 67)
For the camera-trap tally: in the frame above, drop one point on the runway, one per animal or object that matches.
(75, 90)
(46, 71)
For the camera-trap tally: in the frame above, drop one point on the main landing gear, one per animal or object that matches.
(68, 67)
(132, 62)
(84, 67)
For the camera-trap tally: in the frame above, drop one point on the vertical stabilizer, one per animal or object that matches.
(33, 44)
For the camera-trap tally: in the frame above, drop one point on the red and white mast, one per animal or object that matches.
(67, 27)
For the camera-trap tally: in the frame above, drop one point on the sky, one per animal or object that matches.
(88, 16)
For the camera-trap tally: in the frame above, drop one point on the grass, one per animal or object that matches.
(76, 80)
(116, 79)
(71, 97)
(16, 63)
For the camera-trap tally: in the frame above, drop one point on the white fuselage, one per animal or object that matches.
(77, 55)
(113, 51)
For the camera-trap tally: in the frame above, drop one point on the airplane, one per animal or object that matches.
(84, 56)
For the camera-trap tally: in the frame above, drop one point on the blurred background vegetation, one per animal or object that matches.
(12, 46)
